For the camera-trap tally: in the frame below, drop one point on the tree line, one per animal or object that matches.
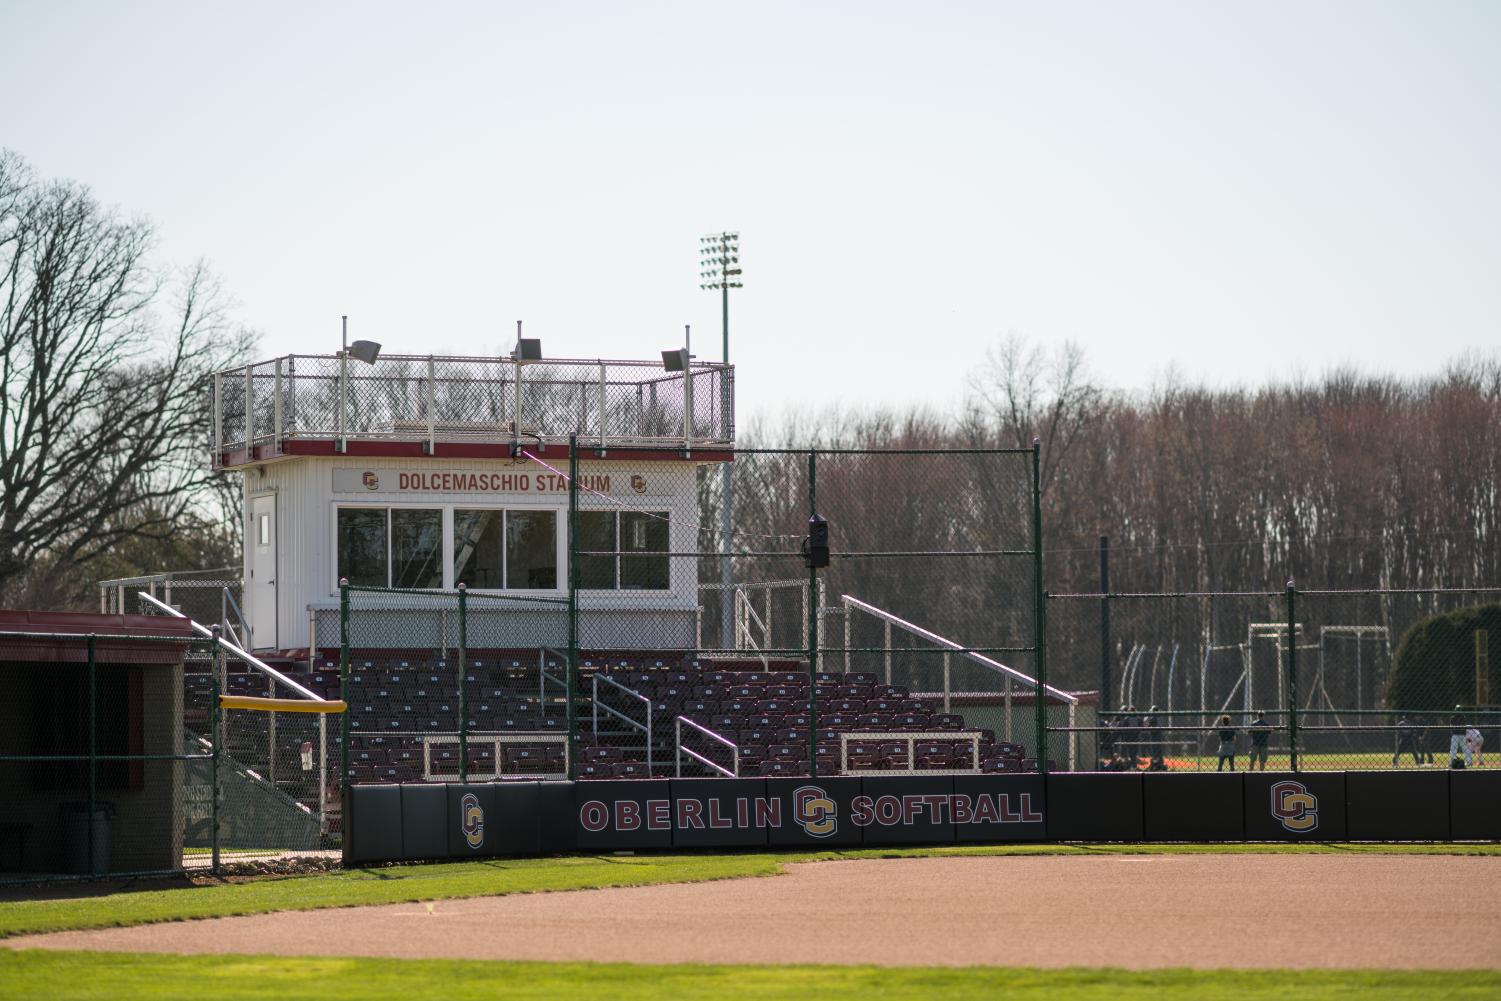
(1345, 480)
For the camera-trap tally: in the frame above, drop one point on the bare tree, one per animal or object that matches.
(103, 360)
(1023, 391)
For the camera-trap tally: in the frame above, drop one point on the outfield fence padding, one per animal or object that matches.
(422, 821)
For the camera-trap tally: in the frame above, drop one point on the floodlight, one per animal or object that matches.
(527, 349)
(365, 351)
(675, 360)
(720, 257)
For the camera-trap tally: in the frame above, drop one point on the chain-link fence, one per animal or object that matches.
(453, 685)
(1300, 679)
(277, 771)
(205, 596)
(672, 620)
(97, 773)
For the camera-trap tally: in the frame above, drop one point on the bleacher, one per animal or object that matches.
(763, 710)
(404, 704)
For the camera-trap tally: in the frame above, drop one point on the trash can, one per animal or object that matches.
(76, 822)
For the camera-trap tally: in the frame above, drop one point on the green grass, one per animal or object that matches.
(396, 884)
(440, 881)
(76, 976)
(1320, 761)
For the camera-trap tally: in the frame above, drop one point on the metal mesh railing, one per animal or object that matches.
(206, 596)
(415, 397)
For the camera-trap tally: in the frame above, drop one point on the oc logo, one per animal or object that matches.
(1295, 806)
(814, 812)
(472, 820)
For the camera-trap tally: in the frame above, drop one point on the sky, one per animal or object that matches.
(1233, 192)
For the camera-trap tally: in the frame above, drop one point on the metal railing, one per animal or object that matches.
(543, 677)
(732, 772)
(236, 650)
(179, 584)
(911, 740)
(1009, 673)
(429, 398)
(272, 673)
(645, 728)
(745, 617)
(497, 741)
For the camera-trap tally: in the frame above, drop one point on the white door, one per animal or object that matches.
(262, 591)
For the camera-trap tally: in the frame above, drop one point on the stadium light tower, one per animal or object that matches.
(719, 261)
(719, 270)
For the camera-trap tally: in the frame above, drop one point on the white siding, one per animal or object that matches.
(306, 502)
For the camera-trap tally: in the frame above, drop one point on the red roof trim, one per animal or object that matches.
(72, 648)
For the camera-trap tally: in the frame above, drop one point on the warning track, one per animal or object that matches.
(1392, 911)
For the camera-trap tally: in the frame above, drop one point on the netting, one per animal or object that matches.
(679, 629)
(1309, 679)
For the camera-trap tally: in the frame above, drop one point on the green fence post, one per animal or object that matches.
(343, 696)
(216, 720)
(812, 627)
(93, 749)
(1039, 637)
(463, 703)
(570, 666)
(1292, 674)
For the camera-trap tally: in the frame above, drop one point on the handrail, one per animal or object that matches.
(502, 363)
(244, 655)
(742, 600)
(595, 679)
(734, 771)
(943, 641)
(911, 739)
(174, 576)
(495, 740)
(543, 676)
(234, 606)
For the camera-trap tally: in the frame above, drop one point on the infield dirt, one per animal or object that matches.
(1395, 912)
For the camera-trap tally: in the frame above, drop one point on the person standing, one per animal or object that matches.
(1131, 744)
(1153, 750)
(1261, 737)
(1227, 743)
(1407, 741)
(1457, 730)
(1107, 741)
(1474, 747)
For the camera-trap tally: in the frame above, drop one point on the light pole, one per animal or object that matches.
(719, 260)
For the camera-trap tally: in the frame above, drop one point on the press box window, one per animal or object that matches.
(391, 547)
(506, 550)
(623, 550)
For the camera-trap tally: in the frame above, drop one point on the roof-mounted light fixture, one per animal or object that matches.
(365, 351)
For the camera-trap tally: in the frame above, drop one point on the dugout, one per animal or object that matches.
(92, 713)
